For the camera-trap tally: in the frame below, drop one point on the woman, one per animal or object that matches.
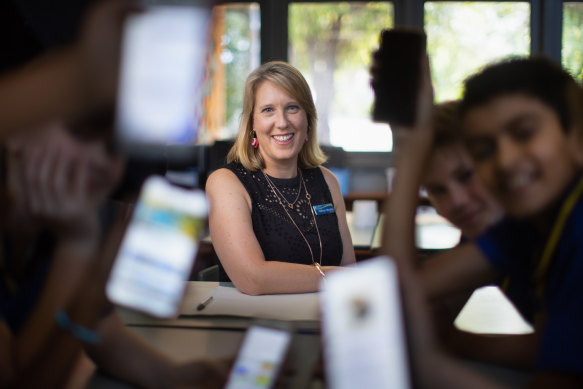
(277, 218)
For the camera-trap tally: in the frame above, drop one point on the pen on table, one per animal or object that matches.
(204, 303)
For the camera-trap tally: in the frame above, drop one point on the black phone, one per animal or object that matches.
(395, 74)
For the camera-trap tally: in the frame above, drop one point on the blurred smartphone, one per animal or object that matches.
(362, 331)
(395, 75)
(163, 68)
(158, 249)
(261, 355)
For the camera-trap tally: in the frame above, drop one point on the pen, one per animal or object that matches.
(203, 304)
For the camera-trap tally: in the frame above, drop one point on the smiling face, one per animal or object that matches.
(521, 153)
(457, 193)
(281, 126)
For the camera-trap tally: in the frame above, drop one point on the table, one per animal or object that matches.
(191, 338)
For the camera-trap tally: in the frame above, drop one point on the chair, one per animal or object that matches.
(211, 273)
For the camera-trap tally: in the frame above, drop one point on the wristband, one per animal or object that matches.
(78, 331)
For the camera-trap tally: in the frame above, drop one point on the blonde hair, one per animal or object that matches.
(292, 82)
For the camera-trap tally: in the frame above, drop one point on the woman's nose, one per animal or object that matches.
(281, 119)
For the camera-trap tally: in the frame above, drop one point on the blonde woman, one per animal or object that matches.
(277, 217)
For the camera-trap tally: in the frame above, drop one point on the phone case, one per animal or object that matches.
(395, 75)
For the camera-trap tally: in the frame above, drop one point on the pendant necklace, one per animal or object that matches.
(272, 185)
(308, 197)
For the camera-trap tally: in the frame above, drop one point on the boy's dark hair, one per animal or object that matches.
(537, 77)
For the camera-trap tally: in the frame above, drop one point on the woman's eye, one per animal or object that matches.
(267, 110)
(293, 108)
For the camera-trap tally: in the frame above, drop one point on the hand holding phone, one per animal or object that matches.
(158, 249)
(396, 72)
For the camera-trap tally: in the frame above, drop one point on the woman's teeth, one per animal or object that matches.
(283, 138)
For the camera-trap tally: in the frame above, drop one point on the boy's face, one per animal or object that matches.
(457, 193)
(521, 152)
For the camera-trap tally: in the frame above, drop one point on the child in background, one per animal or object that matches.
(450, 180)
(520, 120)
(457, 194)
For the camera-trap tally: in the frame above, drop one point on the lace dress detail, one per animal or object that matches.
(278, 237)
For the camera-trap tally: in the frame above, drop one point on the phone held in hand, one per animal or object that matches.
(395, 72)
(362, 327)
(261, 355)
(163, 69)
(158, 249)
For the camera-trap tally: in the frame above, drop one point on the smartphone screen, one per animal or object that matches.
(158, 249)
(163, 68)
(260, 358)
(362, 329)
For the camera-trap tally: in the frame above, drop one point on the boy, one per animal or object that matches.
(452, 186)
(522, 132)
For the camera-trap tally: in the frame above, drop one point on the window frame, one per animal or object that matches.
(546, 21)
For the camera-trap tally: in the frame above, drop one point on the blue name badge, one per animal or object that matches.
(323, 209)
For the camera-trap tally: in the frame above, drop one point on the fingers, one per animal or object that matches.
(54, 176)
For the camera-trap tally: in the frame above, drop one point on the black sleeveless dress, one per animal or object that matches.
(279, 239)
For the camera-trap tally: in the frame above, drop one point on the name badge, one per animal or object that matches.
(323, 209)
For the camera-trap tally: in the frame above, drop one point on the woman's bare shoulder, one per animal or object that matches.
(220, 178)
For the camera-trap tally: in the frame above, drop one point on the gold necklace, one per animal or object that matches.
(290, 205)
(308, 197)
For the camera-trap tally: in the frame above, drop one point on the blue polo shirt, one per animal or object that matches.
(510, 246)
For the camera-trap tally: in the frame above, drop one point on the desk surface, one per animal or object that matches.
(433, 232)
(192, 338)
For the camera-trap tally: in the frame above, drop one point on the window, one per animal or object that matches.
(464, 36)
(331, 44)
(235, 53)
(572, 52)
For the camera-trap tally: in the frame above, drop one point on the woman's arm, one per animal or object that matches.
(239, 251)
(348, 256)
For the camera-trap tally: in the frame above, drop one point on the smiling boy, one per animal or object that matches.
(521, 123)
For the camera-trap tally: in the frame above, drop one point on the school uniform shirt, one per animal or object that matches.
(510, 246)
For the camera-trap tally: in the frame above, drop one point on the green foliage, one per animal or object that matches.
(359, 23)
(463, 37)
(573, 39)
(236, 54)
